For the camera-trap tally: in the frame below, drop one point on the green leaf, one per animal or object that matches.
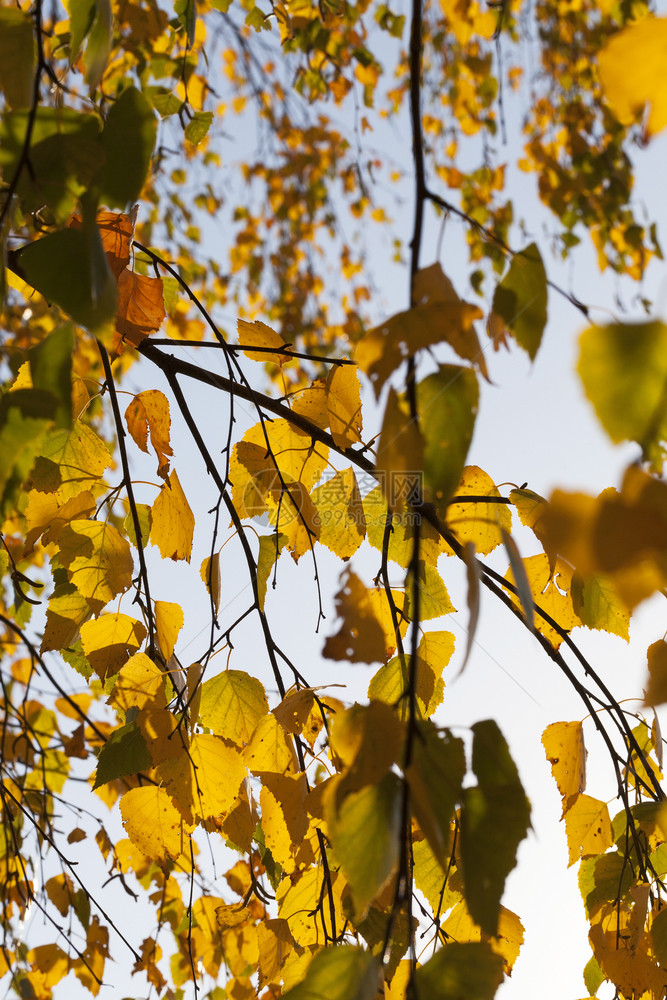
(436, 777)
(145, 521)
(100, 38)
(659, 936)
(125, 752)
(51, 370)
(447, 403)
(341, 973)
(521, 299)
(70, 268)
(364, 831)
(186, 11)
(17, 57)
(472, 971)
(20, 441)
(494, 820)
(596, 602)
(65, 157)
(128, 139)
(593, 976)
(198, 126)
(603, 879)
(81, 17)
(623, 368)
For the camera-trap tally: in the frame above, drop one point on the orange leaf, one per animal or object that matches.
(149, 411)
(140, 307)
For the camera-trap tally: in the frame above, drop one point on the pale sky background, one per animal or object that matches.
(534, 425)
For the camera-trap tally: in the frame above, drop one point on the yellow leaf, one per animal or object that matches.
(299, 899)
(270, 749)
(154, 824)
(631, 73)
(140, 685)
(341, 513)
(656, 689)
(110, 640)
(563, 743)
(168, 622)
(479, 523)
(204, 779)
(284, 817)
(98, 560)
(460, 926)
(588, 828)
(532, 508)
(210, 574)
(399, 454)
(258, 334)
(311, 403)
(66, 613)
(149, 411)
(260, 471)
(551, 592)
(232, 704)
(275, 944)
(367, 630)
(439, 316)
(344, 405)
(80, 456)
(173, 522)
(631, 968)
(44, 515)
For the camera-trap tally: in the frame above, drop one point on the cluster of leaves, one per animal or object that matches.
(353, 826)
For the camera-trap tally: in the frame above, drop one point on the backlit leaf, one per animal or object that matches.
(435, 777)
(110, 640)
(471, 970)
(17, 57)
(342, 973)
(204, 779)
(588, 828)
(563, 744)
(344, 405)
(341, 513)
(258, 334)
(551, 593)
(623, 368)
(367, 630)
(140, 311)
(478, 522)
(81, 457)
(364, 830)
(125, 752)
(520, 300)
(98, 561)
(597, 604)
(495, 818)
(447, 402)
(168, 622)
(628, 64)
(656, 689)
(232, 704)
(173, 522)
(150, 411)
(154, 824)
(399, 454)
(128, 139)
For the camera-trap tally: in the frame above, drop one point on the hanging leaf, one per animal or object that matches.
(149, 411)
(495, 818)
(563, 744)
(447, 402)
(344, 405)
(232, 704)
(628, 64)
(173, 522)
(128, 138)
(520, 300)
